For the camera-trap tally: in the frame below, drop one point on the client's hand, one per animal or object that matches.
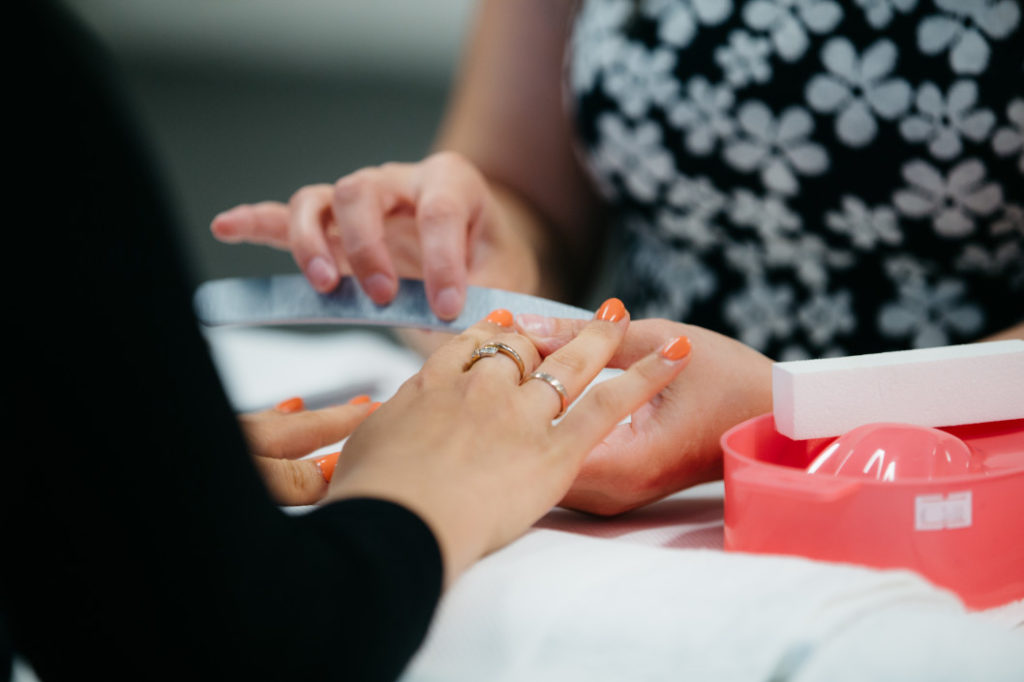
(278, 437)
(672, 442)
(474, 452)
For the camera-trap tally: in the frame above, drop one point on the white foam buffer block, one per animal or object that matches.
(946, 386)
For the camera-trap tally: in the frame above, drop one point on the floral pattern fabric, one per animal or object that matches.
(812, 177)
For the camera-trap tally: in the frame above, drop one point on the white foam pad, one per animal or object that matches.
(947, 386)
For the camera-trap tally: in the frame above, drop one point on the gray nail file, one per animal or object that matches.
(289, 299)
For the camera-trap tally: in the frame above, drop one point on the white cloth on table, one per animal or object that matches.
(649, 595)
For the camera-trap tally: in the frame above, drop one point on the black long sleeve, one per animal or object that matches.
(138, 539)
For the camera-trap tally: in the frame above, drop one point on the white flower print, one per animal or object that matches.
(680, 277)
(760, 312)
(1007, 261)
(824, 317)
(745, 257)
(928, 313)
(696, 195)
(745, 59)
(698, 202)
(788, 21)
(951, 202)
(865, 226)
(696, 229)
(704, 114)
(776, 148)
(678, 19)
(1010, 140)
(809, 257)
(962, 30)
(858, 89)
(596, 39)
(940, 122)
(638, 78)
(635, 155)
(879, 12)
(769, 215)
(1011, 221)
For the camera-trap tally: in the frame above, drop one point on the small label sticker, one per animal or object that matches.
(942, 512)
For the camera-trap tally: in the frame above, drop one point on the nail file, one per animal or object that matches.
(289, 299)
(945, 386)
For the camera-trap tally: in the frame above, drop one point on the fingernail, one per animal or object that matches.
(676, 349)
(359, 400)
(379, 287)
(448, 303)
(500, 317)
(320, 273)
(611, 310)
(373, 408)
(536, 325)
(290, 405)
(326, 465)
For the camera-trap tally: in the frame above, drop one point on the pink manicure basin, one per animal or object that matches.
(947, 503)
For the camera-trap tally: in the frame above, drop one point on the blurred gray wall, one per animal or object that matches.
(245, 100)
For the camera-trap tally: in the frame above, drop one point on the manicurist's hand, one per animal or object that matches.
(278, 437)
(474, 452)
(436, 220)
(671, 442)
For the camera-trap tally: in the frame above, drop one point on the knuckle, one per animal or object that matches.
(353, 186)
(447, 159)
(570, 361)
(605, 399)
(439, 210)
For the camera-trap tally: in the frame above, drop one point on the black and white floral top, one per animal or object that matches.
(812, 177)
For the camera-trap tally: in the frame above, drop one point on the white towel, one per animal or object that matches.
(560, 606)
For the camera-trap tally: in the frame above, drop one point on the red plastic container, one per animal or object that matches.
(960, 526)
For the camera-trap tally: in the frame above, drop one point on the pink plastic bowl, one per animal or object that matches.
(947, 503)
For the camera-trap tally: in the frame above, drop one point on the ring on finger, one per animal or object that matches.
(493, 348)
(553, 383)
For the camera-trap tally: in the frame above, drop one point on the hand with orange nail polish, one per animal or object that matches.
(279, 439)
(478, 452)
(672, 442)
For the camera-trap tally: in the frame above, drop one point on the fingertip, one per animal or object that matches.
(380, 288)
(612, 310)
(223, 225)
(500, 317)
(676, 349)
(448, 303)
(327, 464)
(322, 274)
(290, 405)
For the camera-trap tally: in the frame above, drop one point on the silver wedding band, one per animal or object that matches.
(491, 349)
(555, 384)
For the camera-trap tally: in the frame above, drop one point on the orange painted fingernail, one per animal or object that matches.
(501, 317)
(676, 349)
(326, 465)
(290, 405)
(359, 400)
(611, 310)
(373, 408)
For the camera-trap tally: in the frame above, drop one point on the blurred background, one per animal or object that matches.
(246, 100)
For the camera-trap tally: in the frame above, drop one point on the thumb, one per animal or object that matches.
(549, 334)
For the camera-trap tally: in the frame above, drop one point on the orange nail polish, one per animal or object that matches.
(611, 310)
(500, 317)
(359, 400)
(290, 405)
(326, 465)
(676, 349)
(373, 408)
